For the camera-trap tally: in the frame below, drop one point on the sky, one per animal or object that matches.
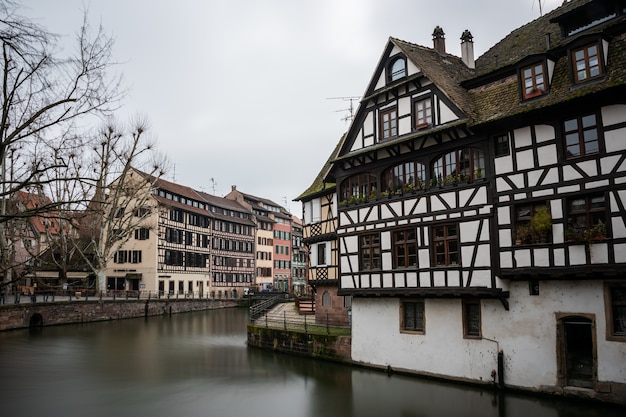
(255, 93)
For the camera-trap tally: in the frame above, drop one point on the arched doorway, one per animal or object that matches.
(36, 320)
(577, 351)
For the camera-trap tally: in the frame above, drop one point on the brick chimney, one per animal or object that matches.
(467, 49)
(439, 40)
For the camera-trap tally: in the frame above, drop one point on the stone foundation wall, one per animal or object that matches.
(50, 314)
(328, 347)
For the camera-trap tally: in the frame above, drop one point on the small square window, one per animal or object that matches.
(615, 301)
(388, 124)
(471, 319)
(501, 144)
(423, 113)
(533, 80)
(587, 63)
(412, 319)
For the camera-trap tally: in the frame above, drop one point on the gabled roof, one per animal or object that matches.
(495, 91)
(45, 213)
(445, 71)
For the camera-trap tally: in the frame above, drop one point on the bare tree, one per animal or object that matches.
(44, 97)
(118, 199)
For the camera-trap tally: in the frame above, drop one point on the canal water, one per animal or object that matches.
(197, 364)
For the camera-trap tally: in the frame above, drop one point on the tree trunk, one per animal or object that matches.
(102, 280)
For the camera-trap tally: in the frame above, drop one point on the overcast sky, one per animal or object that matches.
(244, 91)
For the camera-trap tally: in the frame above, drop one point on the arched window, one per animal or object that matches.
(461, 165)
(359, 186)
(326, 299)
(397, 69)
(404, 177)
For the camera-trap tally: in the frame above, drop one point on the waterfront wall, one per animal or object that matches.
(49, 314)
(319, 346)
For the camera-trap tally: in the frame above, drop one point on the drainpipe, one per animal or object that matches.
(500, 363)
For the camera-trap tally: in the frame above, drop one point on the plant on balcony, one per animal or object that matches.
(573, 235)
(449, 179)
(541, 223)
(597, 232)
(373, 194)
(385, 194)
(408, 187)
(478, 173)
(523, 234)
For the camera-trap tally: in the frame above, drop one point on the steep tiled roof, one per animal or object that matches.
(41, 222)
(498, 96)
(527, 40)
(445, 71)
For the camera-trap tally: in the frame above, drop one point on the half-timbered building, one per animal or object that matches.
(319, 211)
(232, 247)
(273, 241)
(481, 214)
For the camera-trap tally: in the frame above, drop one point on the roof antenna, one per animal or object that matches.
(213, 184)
(350, 109)
(540, 7)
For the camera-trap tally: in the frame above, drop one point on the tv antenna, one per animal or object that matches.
(540, 7)
(213, 184)
(350, 109)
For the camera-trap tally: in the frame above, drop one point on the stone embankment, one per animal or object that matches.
(20, 316)
(282, 329)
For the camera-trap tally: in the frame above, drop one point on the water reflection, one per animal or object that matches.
(198, 364)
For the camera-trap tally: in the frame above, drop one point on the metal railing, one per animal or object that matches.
(20, 297)
(336, 324)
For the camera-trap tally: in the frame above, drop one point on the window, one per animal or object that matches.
(581, 136)
(405, 248)
(142, 233)
(321, 254)
(471, 319)
(501, 145)
(587, 63)
(326, 299)
(120, 257)
(446, 243)
(533, 222)
(423, 112)
(404, 177)
(615, 300)
(412, 319)
(173, 257)
(586, 218)
(369, 251)
(358, 187)
(533, 79)
(388, 124)
(458, 166)
(176, 215)
(397, 69)
(141, 211)
(136, 257)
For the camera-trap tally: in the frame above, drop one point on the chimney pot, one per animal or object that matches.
(439, 40)
(467, 49)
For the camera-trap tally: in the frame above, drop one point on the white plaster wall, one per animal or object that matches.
(526, 334)
(446, 114)
(376, 339)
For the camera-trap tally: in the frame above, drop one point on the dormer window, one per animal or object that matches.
(397, 69)
(587, 63)
(533, 80)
